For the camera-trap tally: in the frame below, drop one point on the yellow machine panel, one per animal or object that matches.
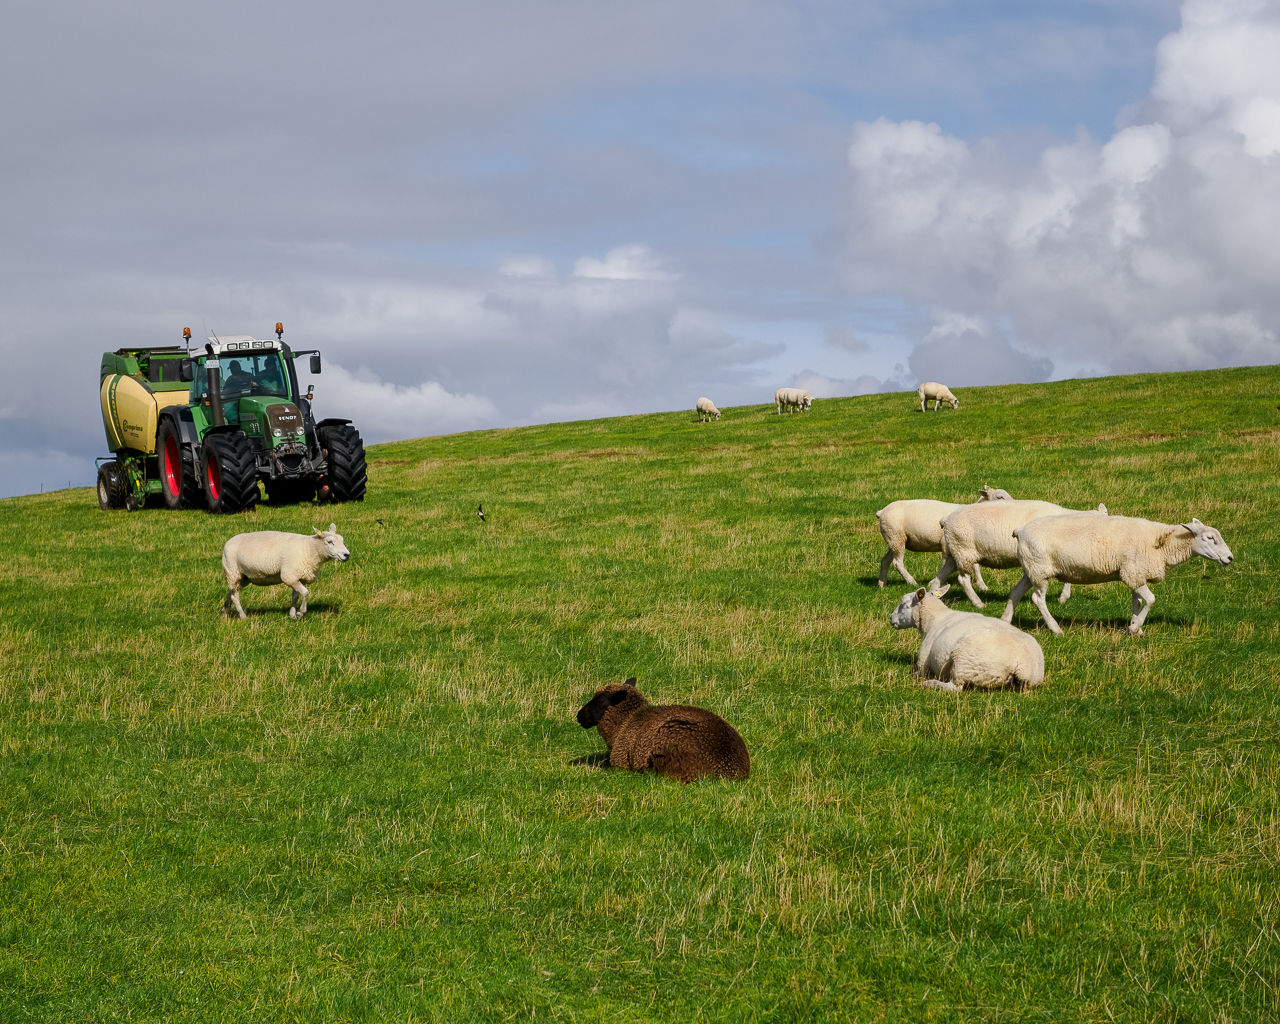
(129, 411)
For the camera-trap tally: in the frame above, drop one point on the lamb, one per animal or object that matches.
(679, 742)
(1105, 549)
(939, 393)
(706, 409)
(915, 524)
(983, 533)
(269, 557)
(792, 398)
(965, 650)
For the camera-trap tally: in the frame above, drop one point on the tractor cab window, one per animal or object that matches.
(252, 373)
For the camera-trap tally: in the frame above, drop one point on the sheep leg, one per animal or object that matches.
(1016, 595)
(299, 593)
(945, 570)
(1037, 598)
(977, 577)
(1140, 595)
(894, 558)
(940, 684)
(1065, 596)
(233, 597)
(966, 581)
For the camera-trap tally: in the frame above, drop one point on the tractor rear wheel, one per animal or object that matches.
(178, 482)
(348, 477)
(110, 486)
(229, 473)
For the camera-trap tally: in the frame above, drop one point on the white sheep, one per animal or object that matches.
(965, 650)
(939, 393)
(1084, 548)
(792, 399)
(269, 557)
(982, 533)
(915, 524)
(706, 409)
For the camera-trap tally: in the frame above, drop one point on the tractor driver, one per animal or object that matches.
(238, 379)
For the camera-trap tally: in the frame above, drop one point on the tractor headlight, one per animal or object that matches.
(277, 432)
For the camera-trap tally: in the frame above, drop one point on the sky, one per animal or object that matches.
(500, 213)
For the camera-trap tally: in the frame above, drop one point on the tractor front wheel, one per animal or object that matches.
(111, 486)
(348, 476)
(178, 484)
(229, 473)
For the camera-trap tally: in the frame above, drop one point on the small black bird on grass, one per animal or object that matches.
(481, 514)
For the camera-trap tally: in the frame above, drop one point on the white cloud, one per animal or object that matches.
(383, 411)
(1155, 250)
(821, 386)
(625, 263)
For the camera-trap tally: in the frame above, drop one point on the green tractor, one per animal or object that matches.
(191, 429)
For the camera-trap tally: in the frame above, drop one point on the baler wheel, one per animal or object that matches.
(229, 473)
(111, 486)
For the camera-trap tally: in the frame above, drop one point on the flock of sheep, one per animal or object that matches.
(962, 650)
(799, 400)
(958, 651)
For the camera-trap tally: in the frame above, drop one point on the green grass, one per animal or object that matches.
(388, 812)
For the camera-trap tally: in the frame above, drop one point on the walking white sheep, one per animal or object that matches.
(1104, 549)
(706, 409)
(792, 399)
(939, 393)
(915, 524)
(966, 650)
(269, 557)
(982, 533)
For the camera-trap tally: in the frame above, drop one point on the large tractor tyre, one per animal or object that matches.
(229, 473)
(111, 486)
(179, 485)
(348, 476)
(290, 492)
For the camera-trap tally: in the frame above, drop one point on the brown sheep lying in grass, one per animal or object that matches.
(679, 742)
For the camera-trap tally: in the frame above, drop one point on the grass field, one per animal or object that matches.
(388, 811)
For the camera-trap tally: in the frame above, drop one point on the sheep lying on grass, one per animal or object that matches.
(679, 742)
(269, 557)
(966, 650)
(706, 409)
(915, 524)
(792, 399)
(939, 393)
(1084, 548)
(982, 533)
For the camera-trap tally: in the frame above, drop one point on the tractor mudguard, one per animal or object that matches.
(332, 422)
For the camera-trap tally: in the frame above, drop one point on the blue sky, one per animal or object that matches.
(502, 213)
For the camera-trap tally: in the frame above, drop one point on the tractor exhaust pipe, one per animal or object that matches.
(215, 388)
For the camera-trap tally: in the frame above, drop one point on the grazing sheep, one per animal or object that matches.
(983, 533)
(939, 393)
(792, 399)
(706, 409)
(965, 650)
(1104, 549)
(915, 524)
(269, 557)
(679, 742)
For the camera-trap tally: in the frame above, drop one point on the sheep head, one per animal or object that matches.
(1208, 543)
(590, 714)
(907, 614)
(333, 546)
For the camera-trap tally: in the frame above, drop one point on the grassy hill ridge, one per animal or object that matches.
(388, 812)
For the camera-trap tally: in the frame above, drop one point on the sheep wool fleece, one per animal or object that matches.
(675, 741)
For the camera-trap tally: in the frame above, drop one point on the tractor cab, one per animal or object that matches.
(258, 389)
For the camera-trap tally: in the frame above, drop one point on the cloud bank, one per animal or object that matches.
(1155, 250)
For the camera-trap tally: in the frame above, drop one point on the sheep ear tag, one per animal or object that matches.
(941, 590)
(920, 594)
